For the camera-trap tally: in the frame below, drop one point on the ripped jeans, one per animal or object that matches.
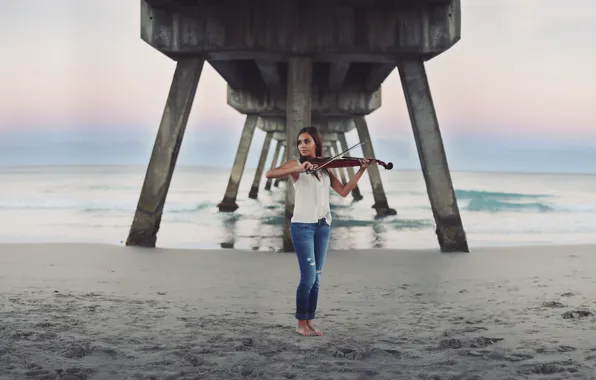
(310, 242)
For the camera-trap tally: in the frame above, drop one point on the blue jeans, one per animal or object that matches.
(310, 242)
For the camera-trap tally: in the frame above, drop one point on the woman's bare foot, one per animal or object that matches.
(314, 329)
(304, 329)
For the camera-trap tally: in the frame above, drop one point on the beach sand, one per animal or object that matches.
(77, 311)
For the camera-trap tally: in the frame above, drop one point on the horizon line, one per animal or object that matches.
(187, 166)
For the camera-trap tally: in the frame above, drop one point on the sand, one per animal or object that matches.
(76, 311)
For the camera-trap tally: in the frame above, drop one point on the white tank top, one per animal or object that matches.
(311, 198)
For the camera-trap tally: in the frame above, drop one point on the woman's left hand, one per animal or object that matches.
(364, 162)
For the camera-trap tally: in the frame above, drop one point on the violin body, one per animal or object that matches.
(343, 162)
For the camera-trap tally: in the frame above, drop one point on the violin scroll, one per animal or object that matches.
(387, 166)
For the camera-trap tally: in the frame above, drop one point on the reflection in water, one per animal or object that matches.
(229, 227)
(378, 235)
(265, 232)
(258, 225)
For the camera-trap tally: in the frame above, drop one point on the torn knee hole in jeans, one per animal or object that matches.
(318, 272)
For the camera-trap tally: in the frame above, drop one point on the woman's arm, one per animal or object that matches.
(289, 168)
(344, 190)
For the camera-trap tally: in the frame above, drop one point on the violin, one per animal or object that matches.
(343, 162)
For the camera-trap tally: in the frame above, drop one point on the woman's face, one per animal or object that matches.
(306, 145)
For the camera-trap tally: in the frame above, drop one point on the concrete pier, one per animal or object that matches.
(298, 115)
(330, 150)
(380, 205)
(334, 152)
(427, 134)
(284, 158)
(229, 201)
(301, 105)
(254, 189)
(274, 163)
(341, 171)
(302, 61)
(344, 146)
(147, 218)
(327, 153)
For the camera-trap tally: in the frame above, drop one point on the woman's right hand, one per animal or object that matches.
(305, 166)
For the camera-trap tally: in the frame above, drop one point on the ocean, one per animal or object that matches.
(96, 204)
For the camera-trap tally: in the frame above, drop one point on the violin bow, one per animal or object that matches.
(309, 171)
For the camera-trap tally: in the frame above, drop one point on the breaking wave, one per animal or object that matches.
(478, 194)
(488, 201)
(98, 206)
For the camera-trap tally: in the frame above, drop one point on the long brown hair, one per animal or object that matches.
(318, 139)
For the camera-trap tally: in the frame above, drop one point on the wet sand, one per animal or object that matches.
(76, 311)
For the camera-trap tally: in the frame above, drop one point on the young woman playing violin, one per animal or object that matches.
(310, 224)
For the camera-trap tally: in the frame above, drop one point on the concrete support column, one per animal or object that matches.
(335, 152)
(145, 225)
(381, 204)
(298, 115)
(254, 190)
(327, 153)
(344, 146)
(228, 204)
(431, 152)
(273, 164)
(284, 158)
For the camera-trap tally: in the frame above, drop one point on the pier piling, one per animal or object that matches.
(254, 189)
(147, 218)
(433, 160)
(228, 203)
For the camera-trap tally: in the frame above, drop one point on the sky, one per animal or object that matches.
(517, 92)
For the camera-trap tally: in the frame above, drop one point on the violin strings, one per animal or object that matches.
(336, 156)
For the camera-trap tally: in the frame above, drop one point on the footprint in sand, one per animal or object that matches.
(552, 304)
(574, 314)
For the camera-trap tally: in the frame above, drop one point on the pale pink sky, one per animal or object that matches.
(522, 66)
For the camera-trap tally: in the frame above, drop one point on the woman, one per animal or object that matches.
(310, 224)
